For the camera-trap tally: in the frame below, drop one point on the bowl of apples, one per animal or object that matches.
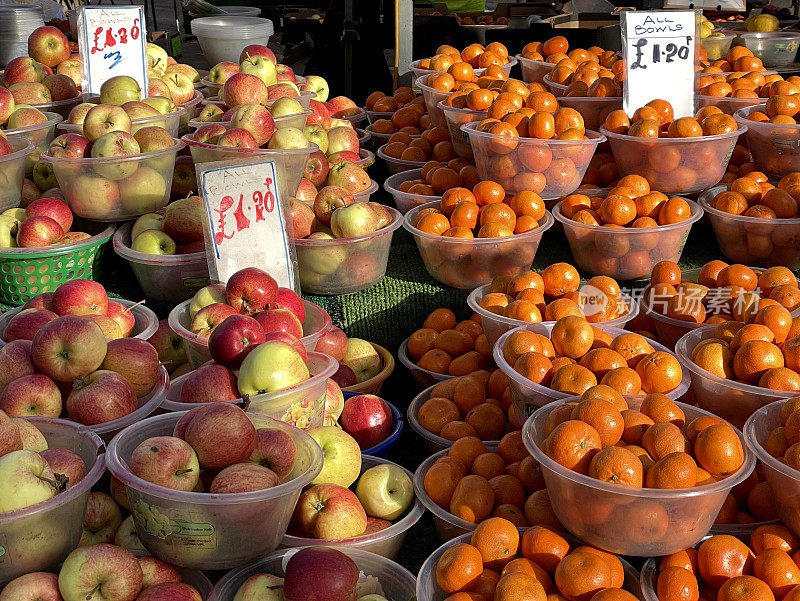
(31, 124)
(155, 111)
(45, 517)
(13, 157)
(245, 507)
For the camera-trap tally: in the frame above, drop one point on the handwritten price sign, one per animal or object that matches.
(112, 42)
(246, 225)
(659, 49)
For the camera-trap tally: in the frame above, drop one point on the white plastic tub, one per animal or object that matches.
(222, 38)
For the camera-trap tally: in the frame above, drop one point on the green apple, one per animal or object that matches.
(260, 587)
(261, 67)
(286, 106)
(208, 295)
(148, 221)
(270, 367)
(161, 104)
(119, 90)
(362, 358)
(9, 225)
(157, 58)
(27, 480)
(385, 491)
(154, 242)
(17, 213)
(341, 455)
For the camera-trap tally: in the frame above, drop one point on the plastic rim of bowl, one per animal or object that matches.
(190, 142)
(126, 252)
(554, 87)
(499, 359)
(402, 356)
(142, 156)
(397, 220)
(711, 192)
(198, 124)
(25, 148)
(53, 120)
(367, 160)
(696, 214)
(737, 477)
(376, 135)
(390, 185)
(77, 128)
(741, 102)
(409, 218)
(402, 162)
(752, 444)
(632, 139)
(35, 253)
(593, 138)
(459, 111)
(157, 396)
(119, 469)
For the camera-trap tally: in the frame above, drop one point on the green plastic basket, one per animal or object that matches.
(26, 272)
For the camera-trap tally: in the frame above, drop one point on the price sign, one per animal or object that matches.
(659, 50)
(112, 41)
(246, 224)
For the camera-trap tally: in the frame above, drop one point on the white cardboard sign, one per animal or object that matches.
(112, 41)
(246, 224)
(659, 51)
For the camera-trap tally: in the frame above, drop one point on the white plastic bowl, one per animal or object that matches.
(398, 165)
(223, 37)
(534, 71)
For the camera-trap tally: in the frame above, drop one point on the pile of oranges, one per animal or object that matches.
(725, 568)
(753, 196)
(577, 355)
(741, 164)
(432, 144)
(738, 59)
(475, 484)
(410, 120)
(402, 96)
(784, 441)
(436, 178)
(445, 346)
(482, 98)
(534, 297)
(602, 172)
(475, 405)
(499, 564)
(484, 212)
(655, 120)
(556, 49)
(653, 446)
(476, 56)
(590, 79)
(780, 109)
(753, 85)
(536, 116)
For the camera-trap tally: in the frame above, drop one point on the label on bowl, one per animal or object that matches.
(183, 532)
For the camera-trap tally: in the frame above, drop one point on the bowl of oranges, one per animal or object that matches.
(734, 91)
(546, 362)
(773, 134)
(478, 56)
(409, 190)
(657, 494)
(470, 237)
(755, 222)
(682, 155)
(771, 433)
(456, 117)
(534, 297)
(626, 232)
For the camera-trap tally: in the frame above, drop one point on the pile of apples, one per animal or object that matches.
(90, 570)
(336, 578)
(65, 365)
(44, 222)
(178, 229)
(335, 163)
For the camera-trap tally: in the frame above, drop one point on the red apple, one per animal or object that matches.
(166, 461)
(136, 360)
(237, 138)
(25, 324)
(80, 297)
(368, 419)
(15, 361)
(243, 477)
(155, 571)
(257, 50)
(40, 301)
(48, 46)
(328, 200)
(208, 384)
(376, 525)
(333, 343)
(221, 434)
(251, 290)
(343, 155)
(36, 232)
(302, 217)
(209, 134)
(234, 338)
(55, 209)
(64, 461)
(170, 591)
(320, 116)
(280, 320)
(344, 377)
(317, 167)
(35, 395)
(209, 317)
(243, 88)
(306, 192)
(101, 397)
(123, 317)
(69, 347)
(276, 450)
(349, 176)
(337, 576)
(184, 179)
(289, 299)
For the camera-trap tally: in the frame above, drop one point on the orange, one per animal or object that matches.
(543, 546)
(573, 444)
(617, 465)
(676, 470)
(603, 417)
(497, 540)
(723, 557)
(436, 412)
(560, 279)
(662, 439)
(458, 568)
(572, 336)
(472, 500)
(636, 424)
(776, 568)
(745, 588)
(581, 575)
(774, 536)
(440, 320)
(633, 347)
(661, 408)
(440, 482)
(514, 587)
(467, 449)
(754, 358)
(677, 584)
(659, 371)
(719, 451)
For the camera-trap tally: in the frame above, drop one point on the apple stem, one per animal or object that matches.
(183, 471)
(132, 307)
(245, 403)
(79, 383)
(59, 482)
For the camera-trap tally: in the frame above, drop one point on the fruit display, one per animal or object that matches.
(180, 223)
(475, 55)
(44, 222)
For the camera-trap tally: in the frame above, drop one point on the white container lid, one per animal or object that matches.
(232, 27)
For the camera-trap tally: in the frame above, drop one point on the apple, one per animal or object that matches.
(119, 90)
(284, 89)
(256, 119)
(10, 438)
(275, 450)
(71, 146)
(306, 193)
(344, 377)
(318, 85)
(32, 439)
(184, 179)
(385, 490)
(156, 57)
(221, 434)
(342, 106)
(288, 138)
(211, 113)
(43, 175)
(126, 536)
(330, 512)
(349, 176)
(280, 320)
(93, 196)
(285, 73)
(163, 104)
(183, 219)
(73, 69)
(116, 144)
(101, 520)
(209, 134)
(293, 341)
(181, 370)
(340, 581)
(221, 72)
(168, 345)
(61, 87)
(170, 591)
(7, 104)
(336, 122)
(356, 219)
(234, 339)
(77, 115)
(184, 69)
(289, 299)
(301, 216)
(103, 119)
(317, 167)
(15, 362)
(68, 347)
(25, 324)
(257, 50)
(111, 329)
(181, 88)
(34, 586)
(328, 200)
(317, 135)
(137, 109)
(35, 395)
(382, 214)
(209, 383)
(342, 455)
(30, 93)
(243, 477)
(207, 295)
(333, 343)
(251, 290)
(100, 397)
(158, 89)
(238, 138)
(362, 358)
(23, 69)
(24, 116)
(48, 46)
(270, 367)
(123, 316)
(210, 317)
(261, 67)
(259, 587)
(166, 461)
(27, 479)
(155, 571)
(148, 221)
(342, 138)
(80, 297)
(64, 461)
(134, 359)
(100, 572)
(9, 228)
(244, 88)
(57, 210)
(286, 106)
(154, 242)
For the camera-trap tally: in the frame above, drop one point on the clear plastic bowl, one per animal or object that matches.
(62, 107)
(717, 48)
(363, 135)
(561, 176)
(345, 265)
(40, 537)
(289, 162)
(298, 120)
(12, 172)
(192, 109)
(146, 195)
(642, 522)
(169, 279)
(386, 542)
(214, 532)
(467, 263)
(396, 581)
(145, 326)
(428, 590)
(689, 164)
(528, 396)
(207, 83)
(753, 241)
(783, 480)
(171, 122)
(775, 148)
(398, 165)
(364, 195)
(405, 201)
(367, 159)
(377, 139)
(420, 72)
(774, 48)
(557, 89)
(360, 116)
(316, 324)
(454, 119)
(423, 377)
(373, 116)
(195, 578)
(727, 104)
(594, 110)
(304, 99)
(534, 71)
(495, 325)
(625, 253)
(39, 135)
(731, 400)
(433, 98)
